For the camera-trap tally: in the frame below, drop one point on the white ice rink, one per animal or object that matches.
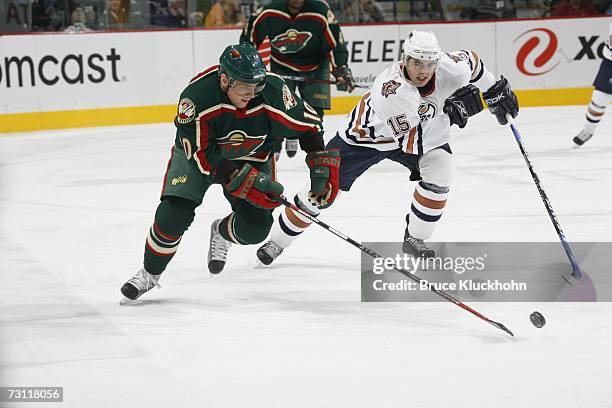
(75, 208)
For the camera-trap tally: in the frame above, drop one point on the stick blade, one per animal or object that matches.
(501, 327)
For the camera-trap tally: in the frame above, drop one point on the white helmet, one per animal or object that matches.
(422, 45)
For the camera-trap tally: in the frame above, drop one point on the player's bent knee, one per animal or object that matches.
(253, 230)
(437, 168)
(174, 215)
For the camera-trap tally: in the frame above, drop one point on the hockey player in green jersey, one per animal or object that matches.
(305, 40)
(227, 121)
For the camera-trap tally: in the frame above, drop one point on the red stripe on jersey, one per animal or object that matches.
(265, 50)
(292, 125)
(321, 20)
(266, 14)
(201, 74)
(239, 113)
(204, 137)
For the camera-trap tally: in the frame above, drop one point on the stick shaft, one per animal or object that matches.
(409, 275)
(576, 271)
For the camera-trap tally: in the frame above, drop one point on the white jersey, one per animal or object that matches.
(393, 114)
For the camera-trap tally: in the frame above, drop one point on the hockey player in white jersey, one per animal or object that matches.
(601, 97)
(406, 117)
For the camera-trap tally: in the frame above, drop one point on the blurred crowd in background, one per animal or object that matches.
(87, 15)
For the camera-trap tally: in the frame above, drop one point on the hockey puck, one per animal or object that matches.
(537, 319)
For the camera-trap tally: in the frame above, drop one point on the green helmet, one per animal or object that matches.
(242, 62)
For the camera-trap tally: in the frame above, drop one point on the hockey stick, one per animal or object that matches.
(576, 271)
(317, 80)
(409, 275)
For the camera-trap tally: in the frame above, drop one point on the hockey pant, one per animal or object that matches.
(429, 197)
(184, 189)
(601, 98)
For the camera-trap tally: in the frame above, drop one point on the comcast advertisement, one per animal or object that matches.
(61, 72)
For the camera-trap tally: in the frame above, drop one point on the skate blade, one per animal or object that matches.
(126, 301)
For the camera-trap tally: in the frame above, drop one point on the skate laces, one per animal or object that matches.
(144, 281)
(272, 249)
(218, 245)
(292, 144)
(416, 243)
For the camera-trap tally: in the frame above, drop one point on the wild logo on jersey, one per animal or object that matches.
(238, 145)
(427, 110)
(186, 111)
(291, 41)
(390, 88)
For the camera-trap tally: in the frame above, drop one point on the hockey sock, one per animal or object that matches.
(247, 225)
(291, 224)
(172, 218)
(428, 204)
(596, 109)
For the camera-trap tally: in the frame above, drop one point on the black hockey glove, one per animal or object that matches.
(462, 104)
(344, 79)
(501, 100)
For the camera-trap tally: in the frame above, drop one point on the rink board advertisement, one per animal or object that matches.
(101, 78)
(487, 272)
(64, 72)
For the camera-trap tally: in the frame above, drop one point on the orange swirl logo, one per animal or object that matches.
(536, 54)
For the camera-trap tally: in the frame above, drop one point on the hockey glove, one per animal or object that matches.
(501, 100)
(255, 187)
(462, 104)
(344, 79)
(324, 179)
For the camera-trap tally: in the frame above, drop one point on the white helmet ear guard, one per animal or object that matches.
(422, 45)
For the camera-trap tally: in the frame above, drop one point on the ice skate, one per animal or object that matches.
(217, 251)
(140, 284)
(268, 252)
(582, 137)
(291, 147)
(416, 247)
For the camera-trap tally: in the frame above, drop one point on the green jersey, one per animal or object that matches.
(215, 135)
(301, 42)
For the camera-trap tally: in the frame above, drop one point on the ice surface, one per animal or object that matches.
(75, 207)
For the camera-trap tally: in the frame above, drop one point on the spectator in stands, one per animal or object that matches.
(78, 19)
(488, 10)
(574, 8)
(225, 13)
(369, 11)
(172, 16)
(115, 15)
(45, 16)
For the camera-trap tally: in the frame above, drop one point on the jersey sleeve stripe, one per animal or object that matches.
(323, 21)
(288, 121)
(477, 67)
(262, 16)
(357, 130)
(204, 73)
